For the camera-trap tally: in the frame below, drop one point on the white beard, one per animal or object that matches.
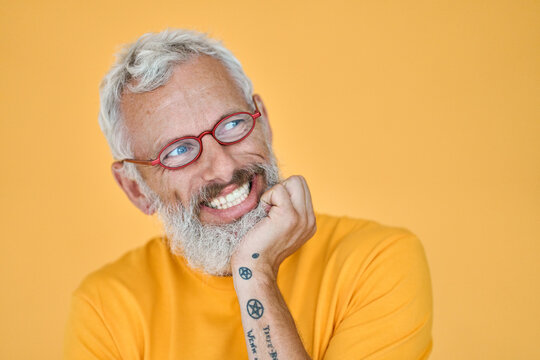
(209, 247)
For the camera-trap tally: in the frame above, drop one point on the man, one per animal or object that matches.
(244, 272)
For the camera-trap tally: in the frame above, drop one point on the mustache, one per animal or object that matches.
(239, 177)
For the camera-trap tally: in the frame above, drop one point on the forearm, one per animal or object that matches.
(269, 328)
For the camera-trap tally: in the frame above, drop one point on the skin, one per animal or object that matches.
(199, 94)
(290, 223)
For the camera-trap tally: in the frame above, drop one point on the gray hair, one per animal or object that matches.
(147, 64)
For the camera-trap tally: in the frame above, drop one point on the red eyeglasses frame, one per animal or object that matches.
(157, 160)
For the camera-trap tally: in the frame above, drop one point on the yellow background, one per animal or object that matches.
(421, 114)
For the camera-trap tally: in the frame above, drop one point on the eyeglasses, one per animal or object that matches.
(186, 150)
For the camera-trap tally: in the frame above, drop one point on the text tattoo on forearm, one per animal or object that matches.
(251, 342)
(271, 350)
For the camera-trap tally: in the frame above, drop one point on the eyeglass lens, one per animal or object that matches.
(229, 130)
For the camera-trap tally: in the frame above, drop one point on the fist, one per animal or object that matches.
(289, 224)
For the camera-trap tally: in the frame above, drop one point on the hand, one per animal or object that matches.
(289, 224)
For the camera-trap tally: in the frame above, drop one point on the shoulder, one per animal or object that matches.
(376, 259)
(106, 311)
(366, 252)
(345, 237)
(356, 250)
(379, 282)
(130, 273)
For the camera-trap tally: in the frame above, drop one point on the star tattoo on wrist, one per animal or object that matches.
(255, 309)
(245, 273)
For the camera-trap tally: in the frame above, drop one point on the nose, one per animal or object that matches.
(217, 163)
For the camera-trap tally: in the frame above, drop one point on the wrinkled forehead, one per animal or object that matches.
(199, 93)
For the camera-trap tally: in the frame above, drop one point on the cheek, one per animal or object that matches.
(263, 131)
(169, 193)
(260, 138)
(257, 143)
(160, 182)
(250, 152)
(174, 187)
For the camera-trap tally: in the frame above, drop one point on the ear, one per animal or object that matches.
(132, 189)
(264, 113)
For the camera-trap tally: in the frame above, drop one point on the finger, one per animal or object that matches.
(296, 191)
(277, 198)
(308, 206)
(309, 203)
(312, 222)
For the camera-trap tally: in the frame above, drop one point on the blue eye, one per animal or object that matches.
(234, 128)
(178, 151)
(232, 124)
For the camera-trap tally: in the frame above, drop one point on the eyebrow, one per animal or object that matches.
(157, 149)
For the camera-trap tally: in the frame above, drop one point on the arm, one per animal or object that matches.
(269, 328)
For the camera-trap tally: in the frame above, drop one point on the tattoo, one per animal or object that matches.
(271, 350)
(256, 255)
(245, 273)
(255, 309)
(251, 341)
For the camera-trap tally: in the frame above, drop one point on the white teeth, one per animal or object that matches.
(234, 198)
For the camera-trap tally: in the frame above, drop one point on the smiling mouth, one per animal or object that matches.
(231, 199)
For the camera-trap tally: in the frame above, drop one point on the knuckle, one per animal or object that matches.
(292, 220)
(280, 187)
(278, 190)
(291, 180)
(312, 223)
(312, 231)
(298, 179)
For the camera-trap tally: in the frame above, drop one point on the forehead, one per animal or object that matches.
(198, 94)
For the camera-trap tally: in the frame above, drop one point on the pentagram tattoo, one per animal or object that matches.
(245, 273)
(255, 308)
(256, 255)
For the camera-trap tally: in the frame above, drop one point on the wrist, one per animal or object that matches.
(265, 263)
(249, 269)
(250, 275)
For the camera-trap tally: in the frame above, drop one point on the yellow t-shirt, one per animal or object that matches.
(356, 290)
